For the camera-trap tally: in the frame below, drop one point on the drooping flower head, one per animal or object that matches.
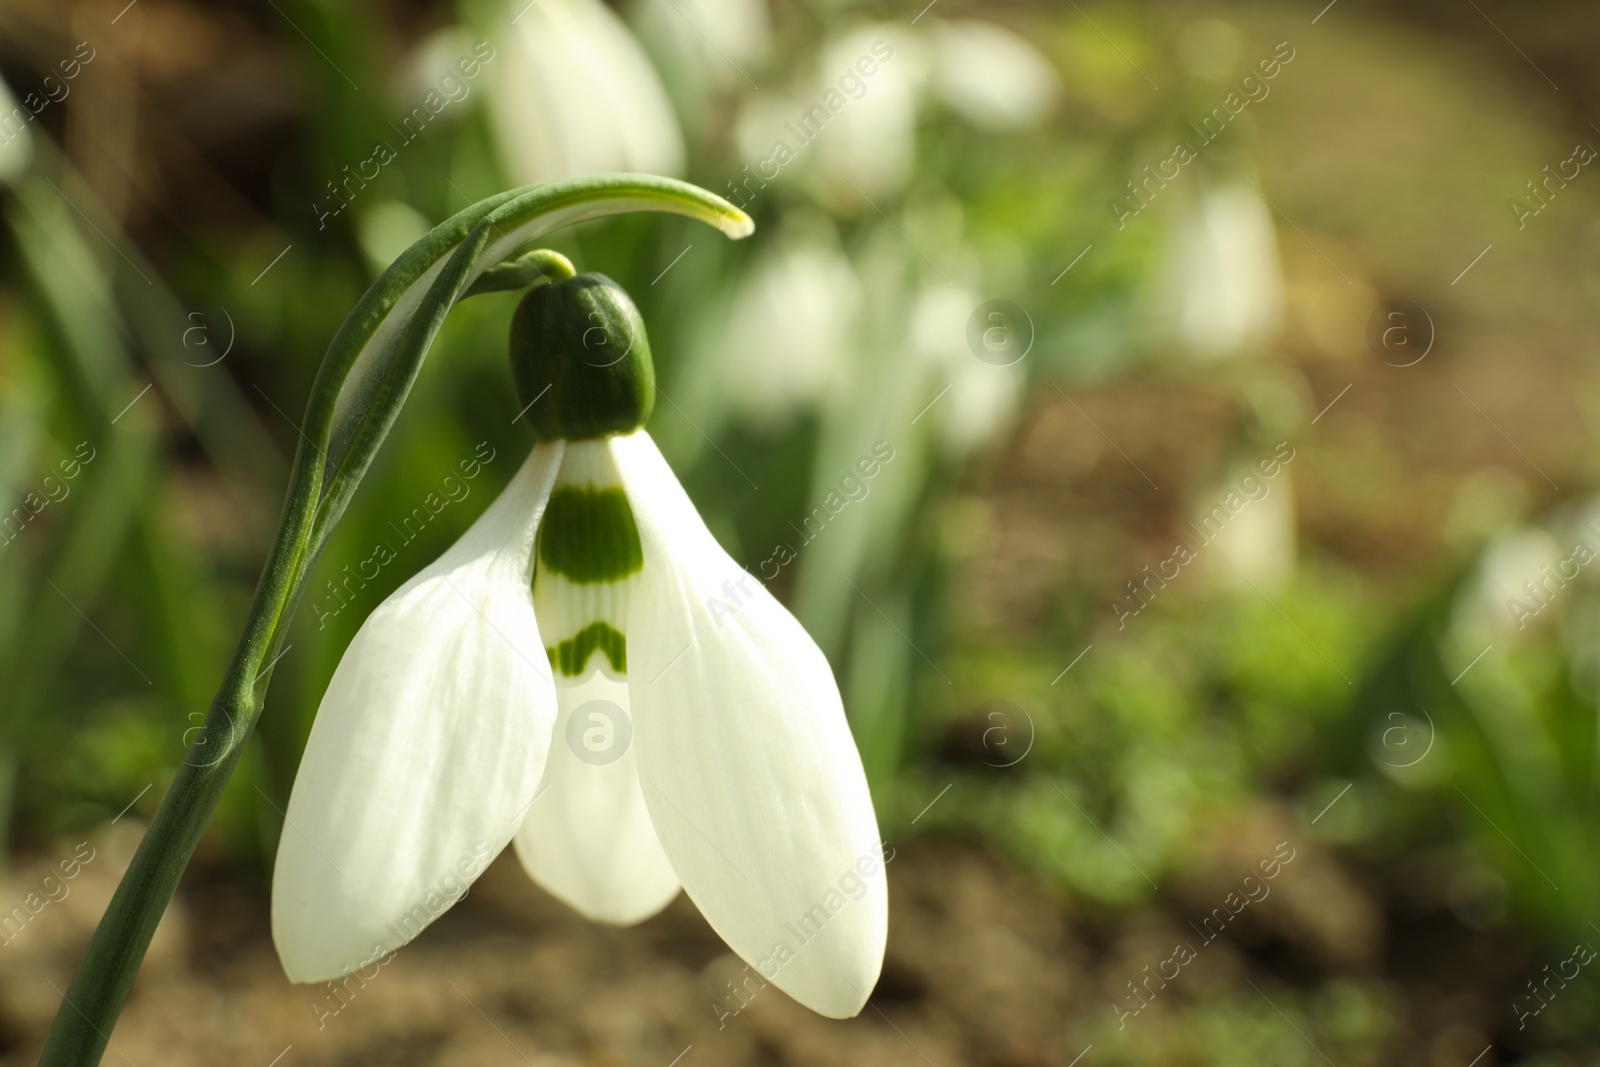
(588, 674)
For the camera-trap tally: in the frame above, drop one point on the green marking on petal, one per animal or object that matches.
(570, 656)
(588, 535)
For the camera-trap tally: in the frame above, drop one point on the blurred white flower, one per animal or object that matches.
(572, 93)
(1510, 586)
(16, 141)
(1257, 547)
(704, 47)
(870, 142)
(982, 396)
(1225, 279)
(388, 228)
(766, 143)
(990, 76)
(788, 339)
(443, 59)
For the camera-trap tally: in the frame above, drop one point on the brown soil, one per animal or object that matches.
(985, 966)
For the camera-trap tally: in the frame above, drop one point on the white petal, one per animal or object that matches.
(427, 747)
(16, 150)
(566, 608)
(588, 838)
(871, 143)
(745, 758)
(785, 344)
(702, 48)
(572, 93)
(1225, 277)
(994, 78)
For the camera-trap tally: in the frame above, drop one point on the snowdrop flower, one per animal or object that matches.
(460, 717)
(992, 77)
(387, 229)
(1255, 545)
(16, 142)
(786, 344)
(574, 94)
(1225, 277)
(982, 395)
(870, 142)
(1511, 586)
(705, 47)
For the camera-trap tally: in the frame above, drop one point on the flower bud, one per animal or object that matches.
(580, 360)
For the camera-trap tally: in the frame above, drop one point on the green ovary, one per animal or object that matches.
(570, 655)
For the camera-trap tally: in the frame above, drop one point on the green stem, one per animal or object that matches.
(542, 264)
(364, 379)
(108, 967)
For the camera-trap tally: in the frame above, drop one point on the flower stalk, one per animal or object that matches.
(363, 381)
